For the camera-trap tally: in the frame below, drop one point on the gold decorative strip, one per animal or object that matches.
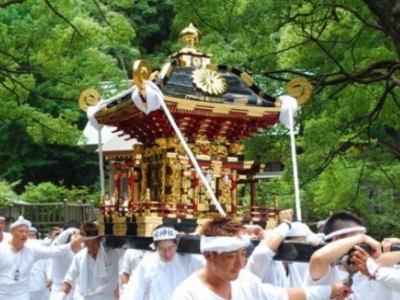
(247, 79)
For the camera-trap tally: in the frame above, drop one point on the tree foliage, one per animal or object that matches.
(50, 51)
(47, 192)
(348, 141)
(349, 130)
(7, 193)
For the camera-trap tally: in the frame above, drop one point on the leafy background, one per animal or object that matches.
(348, 141)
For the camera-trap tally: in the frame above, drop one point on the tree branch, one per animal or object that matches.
(358, 16)
(11, 2)
(203, 20)
(62, 17)
(365, 130)
(101, 13)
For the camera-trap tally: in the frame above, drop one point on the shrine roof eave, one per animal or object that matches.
(122, 107)
(118, 154)
(237, 121)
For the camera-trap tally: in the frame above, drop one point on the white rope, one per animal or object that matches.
(152, 88)
(288, 112)
(101, 165)
(193, 160)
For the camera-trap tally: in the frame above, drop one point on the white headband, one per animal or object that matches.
(21, 221)
(321, 223)
(164, 233)
(345, 231)
(223, 243)
(88, 238)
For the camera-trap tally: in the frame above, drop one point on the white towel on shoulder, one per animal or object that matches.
(99, 271)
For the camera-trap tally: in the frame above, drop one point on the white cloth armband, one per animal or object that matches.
(282, 229)
(318, 292)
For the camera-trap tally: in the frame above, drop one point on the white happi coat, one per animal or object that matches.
(6, 237)
(154, 279)
(60, 265)
(262, 265)
(127, 263)
(130, 260)
(11, 289)
(40, 272)
(390, 278)
(293, 277)
(363, 288)
(396, 280)
(95, 279)
(246, 286)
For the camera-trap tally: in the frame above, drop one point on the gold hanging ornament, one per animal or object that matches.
(141, 73)
(89, 97)
(301, 89)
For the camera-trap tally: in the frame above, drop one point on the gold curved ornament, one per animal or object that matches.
(301, 89)
(209, 82)
(89, 97)
(141, 73)
(154, 76)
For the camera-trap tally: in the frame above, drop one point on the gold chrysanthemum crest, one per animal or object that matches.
(209, 82)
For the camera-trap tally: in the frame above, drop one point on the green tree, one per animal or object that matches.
(349, 51)
(7, 193)
(50, 52)
(46, 192)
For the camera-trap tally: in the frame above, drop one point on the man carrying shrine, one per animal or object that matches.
(160, 272)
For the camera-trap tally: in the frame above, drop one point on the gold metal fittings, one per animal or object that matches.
(301, 89)
(141, 73)
(191, 36)
(89, 97)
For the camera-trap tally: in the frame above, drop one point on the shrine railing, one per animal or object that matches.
(183, 210)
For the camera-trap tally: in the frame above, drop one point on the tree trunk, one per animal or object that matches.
(388, 14)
